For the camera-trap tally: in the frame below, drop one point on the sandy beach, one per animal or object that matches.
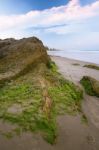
(72, 133)
(73, 69)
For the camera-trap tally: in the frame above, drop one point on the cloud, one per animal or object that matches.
(47, 27)
(51, 20)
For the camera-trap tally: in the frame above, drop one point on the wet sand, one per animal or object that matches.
(72, 133)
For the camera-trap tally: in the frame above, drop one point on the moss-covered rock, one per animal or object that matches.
(91, 85)
(92, 66)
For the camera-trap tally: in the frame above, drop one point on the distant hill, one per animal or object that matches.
(51, 49)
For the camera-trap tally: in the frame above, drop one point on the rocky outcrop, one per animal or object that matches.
(19, 56)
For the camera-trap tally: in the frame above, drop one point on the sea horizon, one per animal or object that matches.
(91, 56)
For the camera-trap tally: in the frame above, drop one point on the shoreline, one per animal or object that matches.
(75, 60)
(75, 69)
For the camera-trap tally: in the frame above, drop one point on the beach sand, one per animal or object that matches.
(72, 133)
(73, 69)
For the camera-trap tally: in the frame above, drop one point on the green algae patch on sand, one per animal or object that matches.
(26, 95)
(76, 64)
(90, 85)
(92, 66)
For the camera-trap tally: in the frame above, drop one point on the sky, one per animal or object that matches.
(62, 24)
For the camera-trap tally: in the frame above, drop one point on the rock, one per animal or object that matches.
(20, 56)
(91, 85)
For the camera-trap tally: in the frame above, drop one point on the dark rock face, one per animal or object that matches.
(17, 56)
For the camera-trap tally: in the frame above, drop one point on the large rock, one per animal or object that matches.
(91, 85)
(19, 56)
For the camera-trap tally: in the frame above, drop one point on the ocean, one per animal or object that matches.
(88, 56)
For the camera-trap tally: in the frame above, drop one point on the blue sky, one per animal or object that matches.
(63, 24)
(23, 6)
